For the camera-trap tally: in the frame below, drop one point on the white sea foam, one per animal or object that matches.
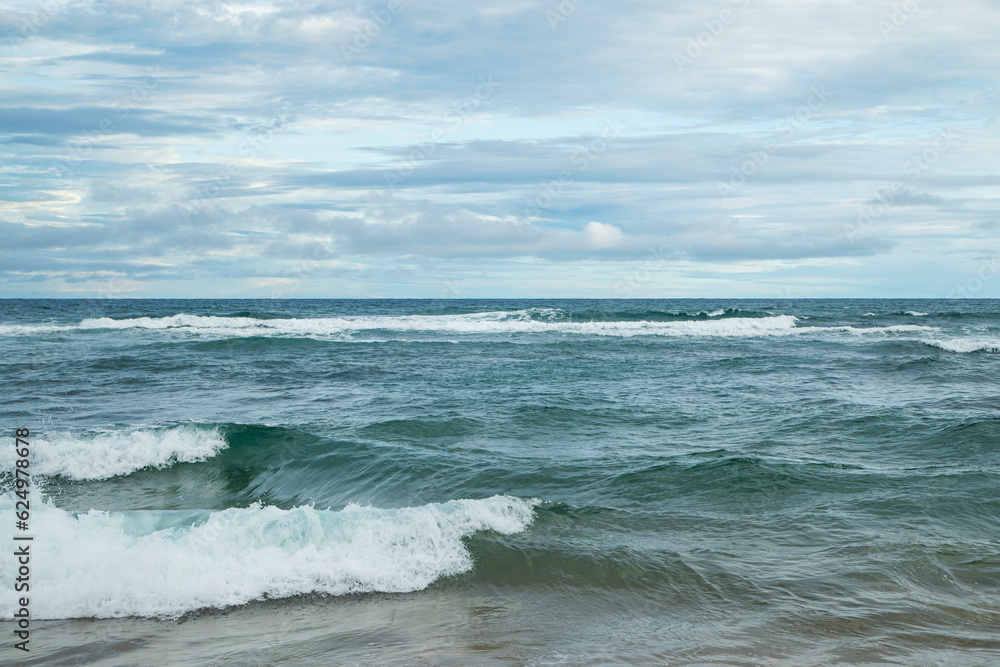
(163, 564)
(895, 328)
(104, 455)
(965, 345)
(534, 320)
(31, 329)
(915, 313)
(472, 323)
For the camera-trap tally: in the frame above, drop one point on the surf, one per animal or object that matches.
(163, 564)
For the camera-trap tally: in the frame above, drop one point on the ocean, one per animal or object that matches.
(503, 482)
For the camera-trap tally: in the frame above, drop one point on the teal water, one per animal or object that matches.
(508, 482)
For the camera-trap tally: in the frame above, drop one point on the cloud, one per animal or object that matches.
(85, 120)
(910, 197)
(260, 137)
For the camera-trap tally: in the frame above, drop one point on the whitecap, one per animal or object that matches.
(111, 454)
(164, 564)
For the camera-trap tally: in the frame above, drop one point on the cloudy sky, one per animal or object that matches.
(440, 149)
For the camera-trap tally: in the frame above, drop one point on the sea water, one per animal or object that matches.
(537, 482)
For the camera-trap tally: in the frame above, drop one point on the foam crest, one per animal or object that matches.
(30, 329)
(533, 320)
(105, 455)
(164, 564)
(965, 345)
(895, 328)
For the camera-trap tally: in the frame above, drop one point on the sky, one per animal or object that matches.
(445, 149)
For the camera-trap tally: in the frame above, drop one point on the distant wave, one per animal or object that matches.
(165, 564)
(105, 455)
(911, 313)
(964, 346)
(895, 328)
(534, 320)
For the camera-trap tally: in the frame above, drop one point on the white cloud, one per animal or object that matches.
(410, 101)
(601, 235)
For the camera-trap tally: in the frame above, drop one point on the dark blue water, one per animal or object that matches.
(508, 482)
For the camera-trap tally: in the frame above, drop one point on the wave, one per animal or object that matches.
(473, 323)
(964, 346)
(106, 455)
(165, 564)
(718, 323)
(895, 328)
(911, 313)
